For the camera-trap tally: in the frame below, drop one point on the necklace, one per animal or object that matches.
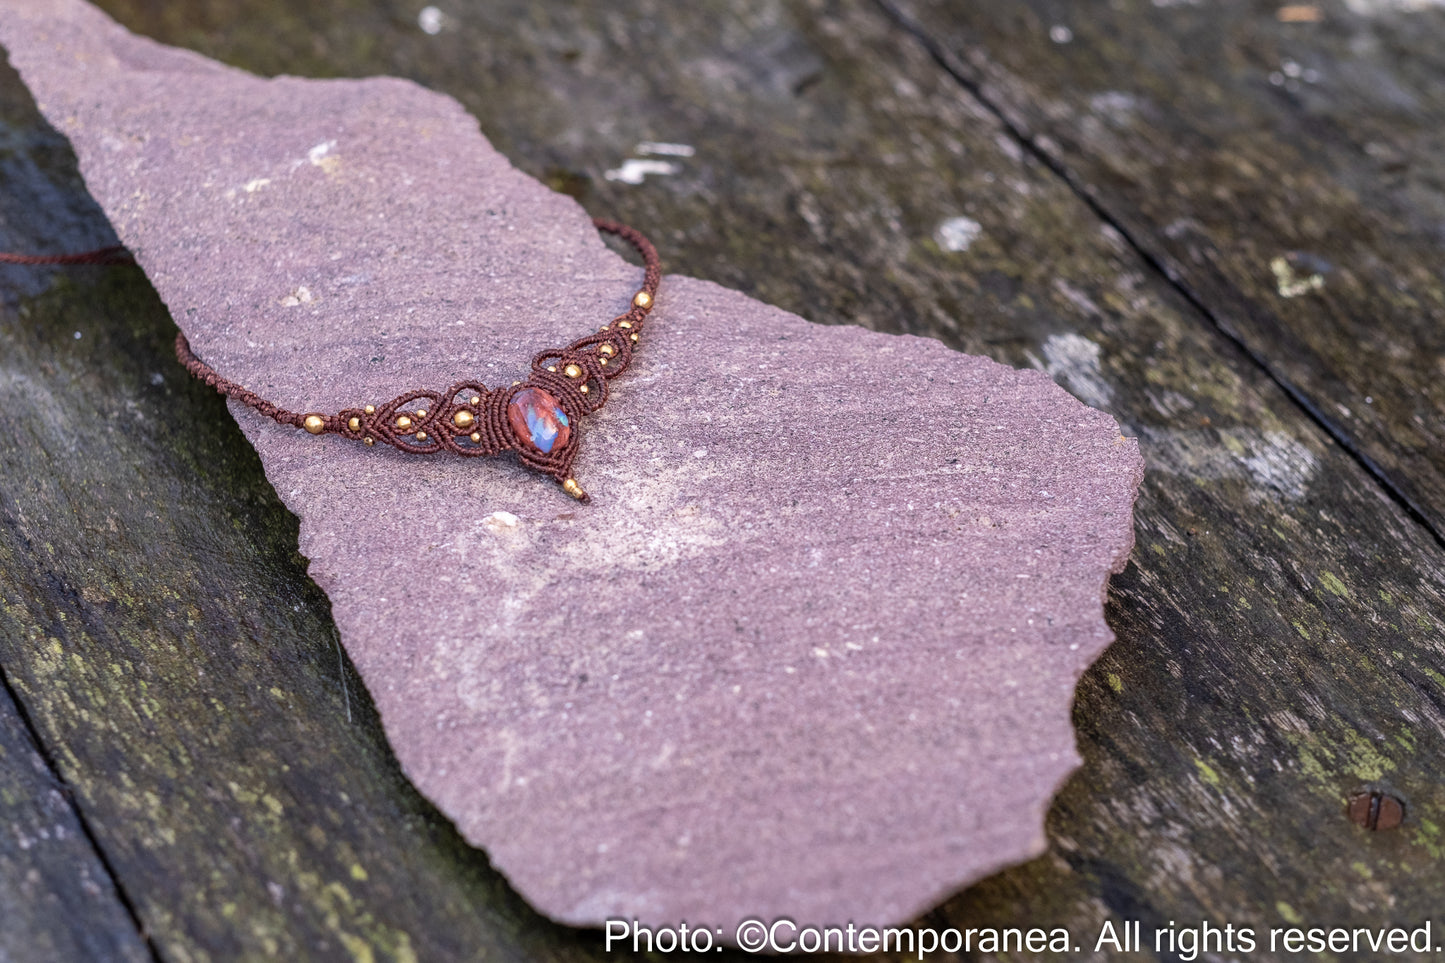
(536, 418)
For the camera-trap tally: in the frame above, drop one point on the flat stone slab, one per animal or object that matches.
(833, 592)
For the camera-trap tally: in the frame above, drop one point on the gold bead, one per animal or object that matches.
(463, 419)
(315, 424)
(607, 350)
(421, 436)
(369, 440)
(477, 437)
(583, 389)
(403, 422)
(571, 487)
(476, 400)
(634, 339)
(515, 383)
(354, 424)
(602, 361)
(624, 324)
(421, 412)
(572, 371)
(550, 367)
(642, 299)
(370, 409)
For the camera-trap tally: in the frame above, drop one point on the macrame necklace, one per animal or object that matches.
(536, 418)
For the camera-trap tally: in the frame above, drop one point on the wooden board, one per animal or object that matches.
(1281, 162)
(50, 873)
(1279, 632)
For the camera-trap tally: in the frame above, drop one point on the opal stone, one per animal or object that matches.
(539, 420)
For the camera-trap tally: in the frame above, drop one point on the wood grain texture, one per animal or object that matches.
(1280, 633)
(1286, 173)
(50, 874)
(181, 670)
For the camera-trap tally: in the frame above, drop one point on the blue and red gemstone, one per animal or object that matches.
(538, 420)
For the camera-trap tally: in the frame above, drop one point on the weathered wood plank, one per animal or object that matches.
(1281, 630)
(50, 875)
(181, 669)
(184, 673)
(1286, 172)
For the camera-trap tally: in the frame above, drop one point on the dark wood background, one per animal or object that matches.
(1222, 222)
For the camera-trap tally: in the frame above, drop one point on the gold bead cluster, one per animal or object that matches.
(463, 419)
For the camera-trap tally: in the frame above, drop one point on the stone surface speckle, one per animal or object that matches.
(834, 589)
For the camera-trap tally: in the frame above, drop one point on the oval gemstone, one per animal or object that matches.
(539, 420)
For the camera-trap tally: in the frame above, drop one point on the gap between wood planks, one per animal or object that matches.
(68, 794)
(951, 65)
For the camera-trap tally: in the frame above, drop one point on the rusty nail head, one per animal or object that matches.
(1376, 810)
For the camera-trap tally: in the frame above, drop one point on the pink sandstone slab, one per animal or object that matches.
(834, 590)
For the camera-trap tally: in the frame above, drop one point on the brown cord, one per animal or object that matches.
(106, 255)
(468, 418)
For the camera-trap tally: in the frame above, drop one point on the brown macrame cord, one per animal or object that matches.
(468, 418)
(106, 255)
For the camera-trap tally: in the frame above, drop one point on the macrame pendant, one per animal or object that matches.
(537, 419)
